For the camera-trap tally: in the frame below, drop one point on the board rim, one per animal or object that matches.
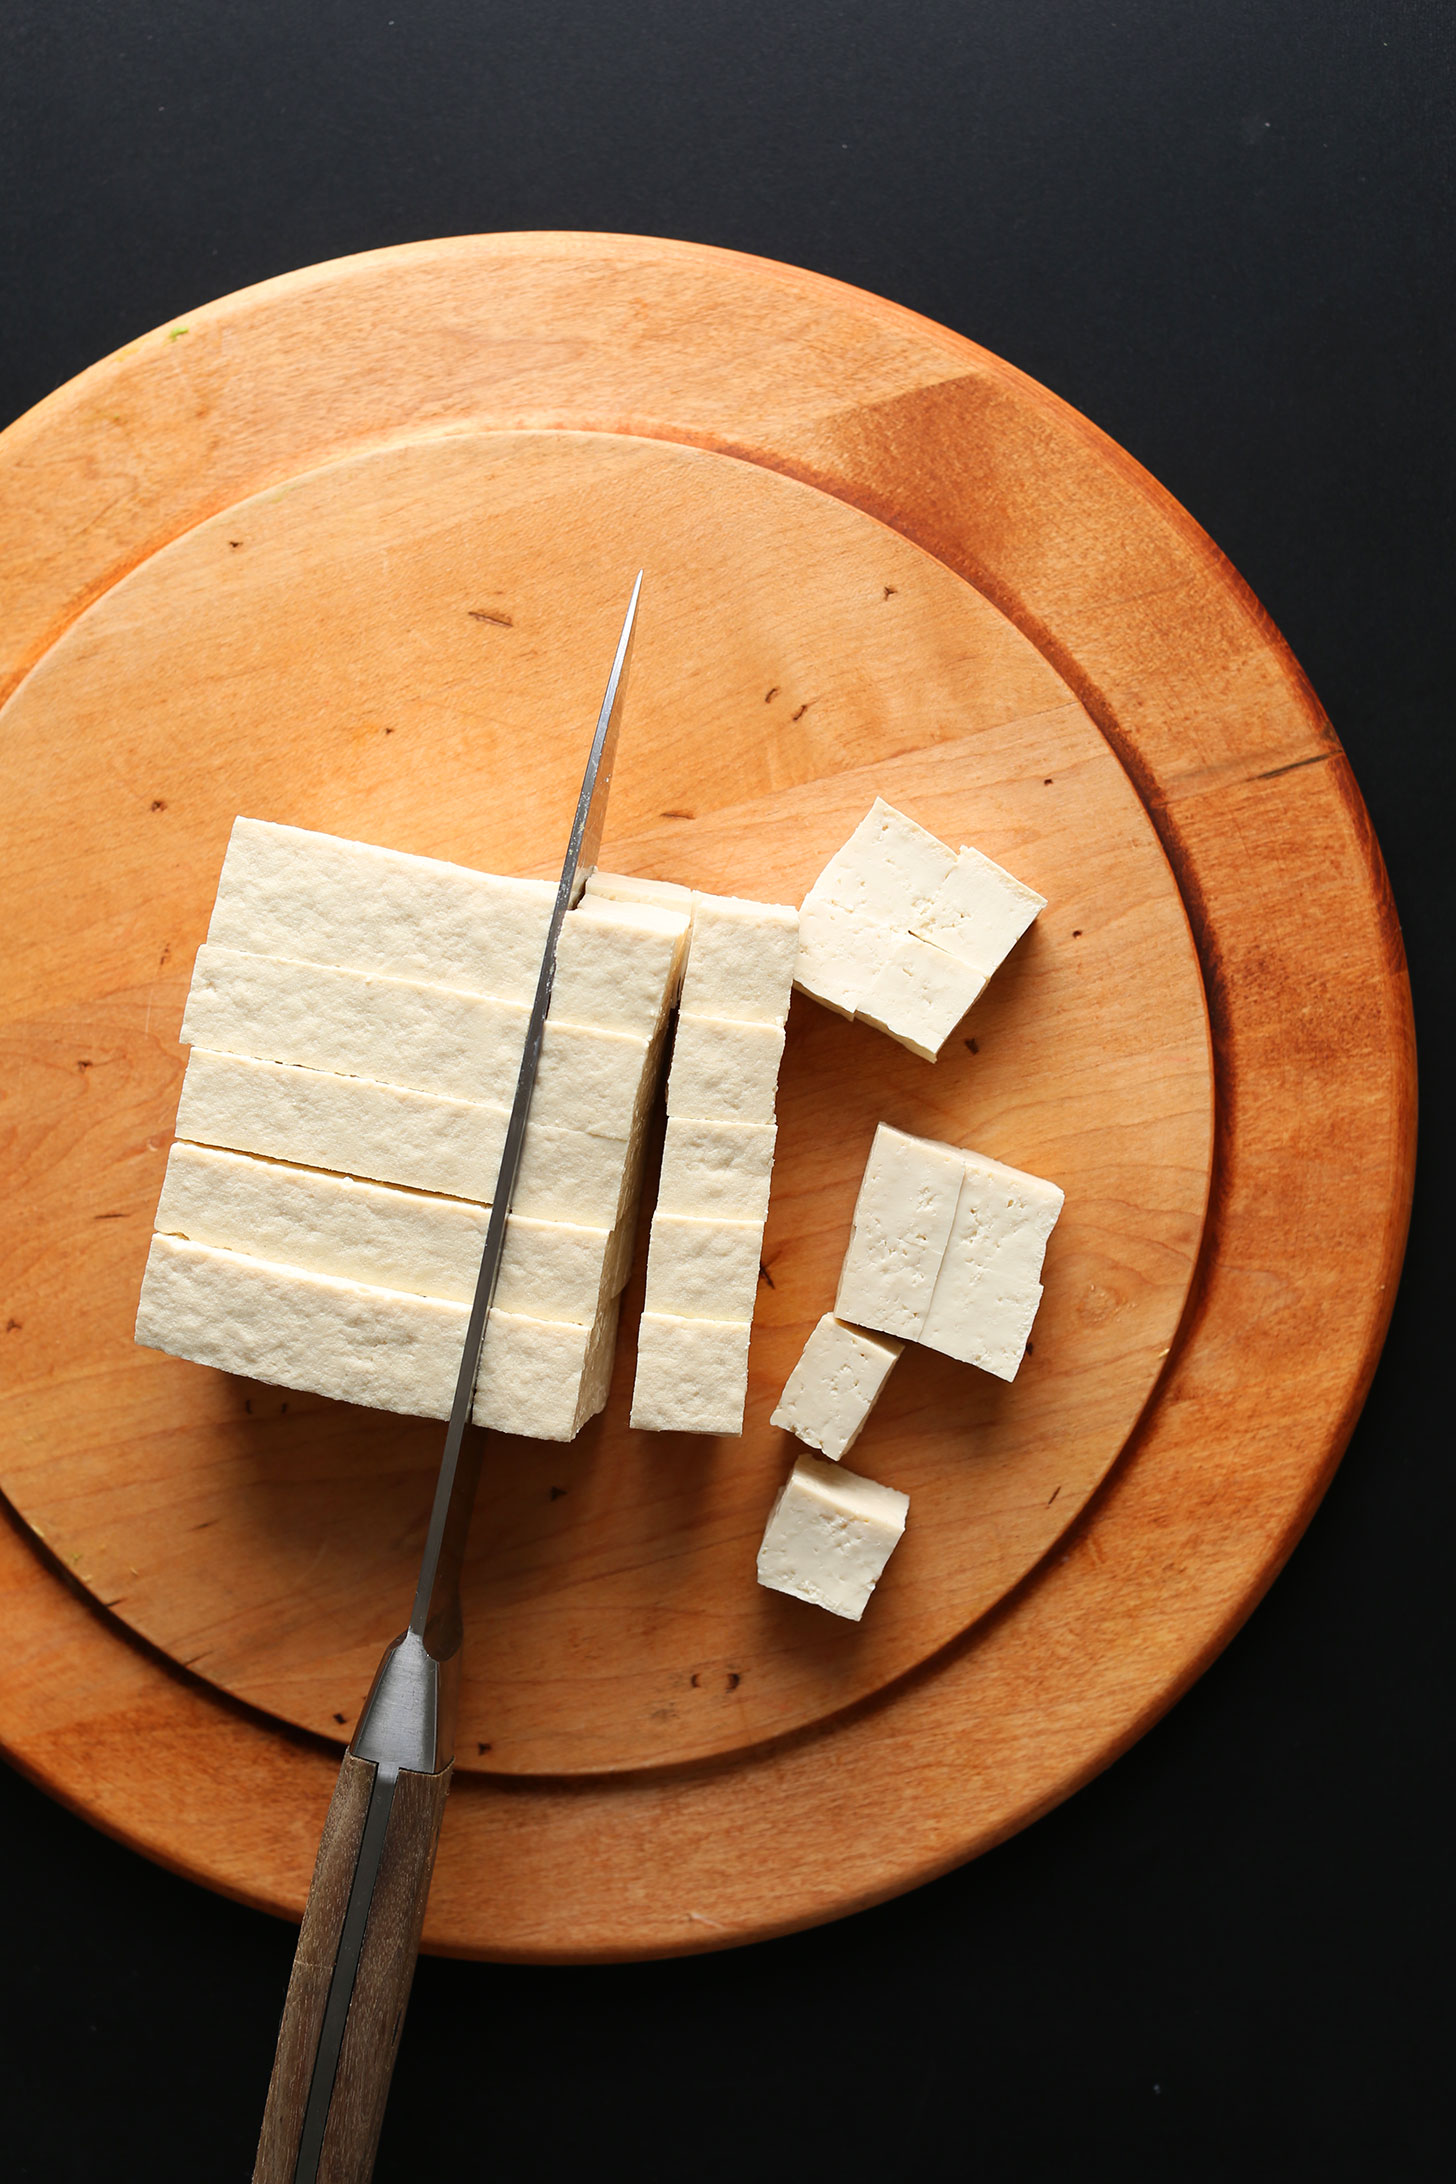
(850, 472)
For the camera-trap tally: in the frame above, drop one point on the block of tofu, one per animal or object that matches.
(989, 1286)
(920, 994)
(829, 1536)
(902, 1221)
(722, 1168)
(380, 1235)
(724, 1072)
(835, 1385)
(692, 1375)
(288, 892)
(703, 1268)
(979, 912)
(741, 958)
(359, 1344)
(315, 1119)
(399, 1031)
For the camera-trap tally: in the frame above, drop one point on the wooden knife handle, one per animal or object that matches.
(392, 1914)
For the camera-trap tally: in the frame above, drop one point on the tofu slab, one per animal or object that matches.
(692, 1375)
(315, 1119)
(741, 959)
(703, 1268)
(717, 1168)
(920, 994)
(379, 1235)
(724, 1072)
(829, 1536)
(360, 1344)
(989, 1286)
(398, 1031)
(902, 1222)
(289, 892)
(889, 871)
(835, 1385)
(979, 912)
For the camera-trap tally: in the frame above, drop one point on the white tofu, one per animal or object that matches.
(835, 1385)
(989, 1286)
(318, 1120)
(741, 958)
(626, 887)
(724, 1072)
(721, 1168)
(358, 1344)
(692, 1375)
(399, 1031)
(703, 1269)
(291, 893)
(979, 912)
(902, 1221)
(840, 954)
(373, 1233)
(829, 1536)
(889, 871)
(920, 994)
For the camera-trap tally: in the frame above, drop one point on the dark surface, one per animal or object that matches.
(1225, 233)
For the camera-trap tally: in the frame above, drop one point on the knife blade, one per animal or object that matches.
(361, 1927)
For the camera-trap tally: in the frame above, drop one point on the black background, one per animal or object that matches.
(1224, 232)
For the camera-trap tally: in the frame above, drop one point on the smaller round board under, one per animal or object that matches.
(388, 618)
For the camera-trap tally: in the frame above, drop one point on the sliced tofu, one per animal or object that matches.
(292, 893)
(374, 1233)
(829, 1536)
(692, 1375)
(703, 1268)
(376, 1131)
(358, 1344)
(835, 1385)
(626, 887)
(741, 958)
(724, 1072)
(889, 871)
(979, 912)
(840, 954)
(401, 1032)
(717, 1168)
(989, 1285)
(902, 1222)
(920, 994)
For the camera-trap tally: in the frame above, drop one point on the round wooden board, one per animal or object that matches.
(1124, 607)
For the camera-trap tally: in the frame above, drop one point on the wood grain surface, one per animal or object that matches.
(1131, 608)
(316, 657)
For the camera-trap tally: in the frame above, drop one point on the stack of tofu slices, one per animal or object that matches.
(356, 1018)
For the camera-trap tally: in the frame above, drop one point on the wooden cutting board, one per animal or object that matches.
(348, 551)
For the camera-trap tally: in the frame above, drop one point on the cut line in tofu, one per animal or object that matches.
(980, 911)
(829, 1535)
(724, 1072)
(385, 1237)
(358, 1344)
(836, 1383)
(701, 1268)
(919, 995)
(988, 1289)
(692, 1375)
(902, 1221)
(352, 1126)
(420, 1037)
(741, 958)
(289, 892)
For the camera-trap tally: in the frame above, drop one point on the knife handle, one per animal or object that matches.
(351, 1978)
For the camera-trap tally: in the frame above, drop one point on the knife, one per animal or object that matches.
(366, 1906)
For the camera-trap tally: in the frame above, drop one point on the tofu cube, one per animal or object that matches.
(979, 912)
(741, 960)
(724, 1072)
(989, 1286)
(889, 871)
(703, 1268)
(721, 1168)
(902, 1222)
(829, 1536)
(692, 1375)
(835, 1385)
(920, 994)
